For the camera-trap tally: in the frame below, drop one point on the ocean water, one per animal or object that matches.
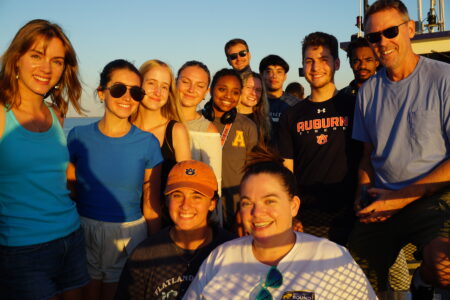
(69, 123)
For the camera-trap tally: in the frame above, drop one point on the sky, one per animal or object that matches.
(176, 31)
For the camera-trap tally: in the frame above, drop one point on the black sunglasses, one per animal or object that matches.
(389, 33)
(119, 89)
(233, 56)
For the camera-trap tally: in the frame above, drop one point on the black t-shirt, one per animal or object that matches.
(159, 269)
(317, 136)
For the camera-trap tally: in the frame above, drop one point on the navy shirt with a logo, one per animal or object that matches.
(276, 107)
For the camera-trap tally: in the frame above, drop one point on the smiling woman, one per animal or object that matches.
(274, 262)
(114, 172)
(160, 114)
(238, 136)
(166, 263)
(41, 244)
(255, 106)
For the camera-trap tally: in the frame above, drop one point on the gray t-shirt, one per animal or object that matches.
(407, 122)
(200, 124)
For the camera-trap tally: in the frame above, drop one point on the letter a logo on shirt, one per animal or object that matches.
(239, 139)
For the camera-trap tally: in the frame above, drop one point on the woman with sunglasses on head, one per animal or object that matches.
(41, 244)
(274, 261)
(163, 266)
(238, 136)
(159, 113)
(113, 166)
(254, 105)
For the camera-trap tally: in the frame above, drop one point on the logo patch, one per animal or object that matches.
(300, 295)
(190, 171)
(322, 139)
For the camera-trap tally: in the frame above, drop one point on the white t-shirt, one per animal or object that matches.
(314, 265)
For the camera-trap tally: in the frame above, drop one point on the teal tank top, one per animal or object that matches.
(35, 206)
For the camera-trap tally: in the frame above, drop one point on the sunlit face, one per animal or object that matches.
(363, 63)
(239, 63)
(124, 106)
(40, 68)
(192, 86)
(226, 94)
(319, 66)
(156, 84)
(393, 53)
(189, 209)
(251, 92)
(274, 77)
(266, 208)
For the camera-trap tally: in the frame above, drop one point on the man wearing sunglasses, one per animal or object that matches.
(238, 56)
(364, 64)
(403, 117)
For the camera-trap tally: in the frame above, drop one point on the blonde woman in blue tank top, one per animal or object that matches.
(41, 244)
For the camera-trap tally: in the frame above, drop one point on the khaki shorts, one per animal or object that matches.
(108, 245)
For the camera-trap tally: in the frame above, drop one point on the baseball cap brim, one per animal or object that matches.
(198, 187)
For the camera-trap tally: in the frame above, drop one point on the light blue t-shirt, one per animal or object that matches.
(110, 171)
(34, 200)
(407, 122)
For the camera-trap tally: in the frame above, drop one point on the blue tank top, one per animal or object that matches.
(34, 200)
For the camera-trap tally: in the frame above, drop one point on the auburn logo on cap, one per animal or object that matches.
(190, 171)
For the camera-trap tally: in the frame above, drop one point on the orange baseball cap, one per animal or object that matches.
(192, 174)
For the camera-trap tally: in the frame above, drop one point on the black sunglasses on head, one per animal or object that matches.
(389, 33)
(119, 89)
(233, 56)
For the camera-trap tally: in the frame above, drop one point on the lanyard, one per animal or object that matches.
(225, 132)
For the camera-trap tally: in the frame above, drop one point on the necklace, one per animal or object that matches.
(189, 255)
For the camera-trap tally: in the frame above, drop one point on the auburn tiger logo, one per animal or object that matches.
(190, 171)
(322, 139)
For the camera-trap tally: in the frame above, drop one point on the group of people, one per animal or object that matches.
(149, 202)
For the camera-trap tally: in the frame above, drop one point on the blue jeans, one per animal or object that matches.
(44, 270)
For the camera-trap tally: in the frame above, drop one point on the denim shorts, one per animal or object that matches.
(44, 270)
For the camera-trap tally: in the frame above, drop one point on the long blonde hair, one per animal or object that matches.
(172, 109)
(69, 85)
(261, 110)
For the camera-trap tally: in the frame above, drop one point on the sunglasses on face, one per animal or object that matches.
(119, 89)
(274, 279)
(389, 33)
(233, 56)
